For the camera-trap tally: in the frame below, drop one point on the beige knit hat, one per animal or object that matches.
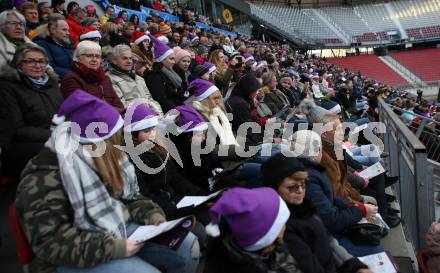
(180, 53)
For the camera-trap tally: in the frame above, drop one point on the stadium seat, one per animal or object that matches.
(24, 251)
(422, 62)
(372, 67)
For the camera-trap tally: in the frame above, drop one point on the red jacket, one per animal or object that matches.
(158, 6)
(75, 28)
(103, 89)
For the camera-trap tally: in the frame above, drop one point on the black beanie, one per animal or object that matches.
(248, 84)
(278, 167)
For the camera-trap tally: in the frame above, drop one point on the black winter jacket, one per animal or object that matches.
(162, 89)
(166, 187)
(313, 248)
(30, 110)
(223, 255)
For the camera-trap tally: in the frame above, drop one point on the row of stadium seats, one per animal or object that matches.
(424, 63)
(363, 23)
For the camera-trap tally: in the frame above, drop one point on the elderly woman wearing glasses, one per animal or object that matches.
(31, 96)
(88, 75)
(307, 238)
(12, 34)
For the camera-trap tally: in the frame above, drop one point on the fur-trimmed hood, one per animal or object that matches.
(10, 73)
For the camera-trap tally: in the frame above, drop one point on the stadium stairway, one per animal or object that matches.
(372, 67)
(403, 71)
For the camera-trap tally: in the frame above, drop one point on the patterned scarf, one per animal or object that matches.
(94, 208)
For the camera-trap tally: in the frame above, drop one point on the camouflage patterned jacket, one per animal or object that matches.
(46, 216)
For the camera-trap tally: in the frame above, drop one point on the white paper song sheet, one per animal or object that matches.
(145, 233)
(196, 200)
(372, 171)
(379, 263)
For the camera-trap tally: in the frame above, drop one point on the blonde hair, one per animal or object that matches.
(213, 58)
(203, 105)
(109, 164)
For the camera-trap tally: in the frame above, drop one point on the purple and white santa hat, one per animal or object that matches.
(160, 50)
(254, 216)
(138, 117)
(189, 119)
(193, 37)
(86, 110)
(248, 57)
(211, 67)
(202, 89)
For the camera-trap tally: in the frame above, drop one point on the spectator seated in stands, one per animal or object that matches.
(128, 86)
(337, 213)
(98, 242)
(342, 180)
(58, 44)
(238, 248)
(224, 72)
(274, 98)
(30, 13)
(12, 34)
(182, 58)
(306, 237)
(167, 186)
(88, 75)
(58, 7)
(163, 82)
(91, 22)
(31, 96)
(44, 11)
(74, 20)
(109, 13)
(142, 55)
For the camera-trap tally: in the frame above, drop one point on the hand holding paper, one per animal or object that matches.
(196, 200)
(372, 171)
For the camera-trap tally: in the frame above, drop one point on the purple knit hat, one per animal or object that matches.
(211, 67)
(193, 37)
(161, 51)
(248, 57)
(83, 109)
(188, 115)
(255, 216)
(138, 117)
(202, 89)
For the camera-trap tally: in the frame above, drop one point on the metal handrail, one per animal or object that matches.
(408, 160)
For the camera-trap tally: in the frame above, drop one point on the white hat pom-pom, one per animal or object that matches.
(212, 230)
(57, 120)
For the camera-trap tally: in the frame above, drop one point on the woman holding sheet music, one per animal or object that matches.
(307, 238)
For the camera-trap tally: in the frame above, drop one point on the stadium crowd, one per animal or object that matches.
(279, 212)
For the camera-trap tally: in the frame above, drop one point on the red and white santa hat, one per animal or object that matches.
(90, 33)
(139, 37)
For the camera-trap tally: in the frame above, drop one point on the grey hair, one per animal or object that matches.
(83, 46)
(23, 50)
(4, 17)
(53, 19)
(118, 49)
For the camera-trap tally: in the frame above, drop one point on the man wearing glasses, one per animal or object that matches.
(12, 34)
